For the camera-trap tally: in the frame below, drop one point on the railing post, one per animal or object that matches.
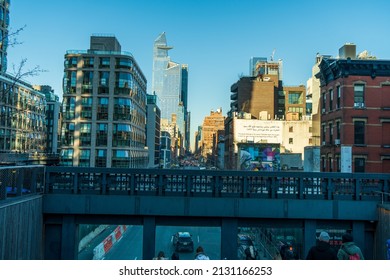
(357, 188)
(272, 189)
(217, 189)
(132, 184)
(19, 181)
(244, 186)
(329, 188)
(75, 182)
(33, 182)
(160, 184)
(300, 187)
(188, 185)
(104, 183)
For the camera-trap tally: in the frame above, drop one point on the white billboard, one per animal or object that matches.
(258, 131)
(346, 159)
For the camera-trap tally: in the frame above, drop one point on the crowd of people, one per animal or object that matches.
(200, 255)
(324, 251)
(321, 251)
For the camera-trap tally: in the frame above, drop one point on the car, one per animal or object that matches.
(182, 241)
(244, 242)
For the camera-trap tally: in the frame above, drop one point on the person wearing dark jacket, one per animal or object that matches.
(349, 250)
(322, 251)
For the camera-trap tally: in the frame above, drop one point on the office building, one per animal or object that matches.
(153, 127)
(170, 84)
(53, 119)
(211, 125)
(104, 107)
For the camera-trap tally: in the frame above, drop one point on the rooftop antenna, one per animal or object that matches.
(272, 55)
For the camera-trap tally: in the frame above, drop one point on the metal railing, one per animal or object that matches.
(160, 182)
(16, 181)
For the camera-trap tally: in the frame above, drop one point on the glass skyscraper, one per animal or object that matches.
(170, 84)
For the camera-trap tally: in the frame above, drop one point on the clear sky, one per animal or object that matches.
(215, 38)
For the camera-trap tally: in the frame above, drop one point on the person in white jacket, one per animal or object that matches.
(200, 255)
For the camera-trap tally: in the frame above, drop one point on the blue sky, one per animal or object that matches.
(215, 38)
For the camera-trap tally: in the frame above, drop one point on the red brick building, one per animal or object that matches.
(355, 112)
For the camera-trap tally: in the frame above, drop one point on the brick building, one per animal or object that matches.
(355, 113)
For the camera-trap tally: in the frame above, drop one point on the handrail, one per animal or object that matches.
(245, 184)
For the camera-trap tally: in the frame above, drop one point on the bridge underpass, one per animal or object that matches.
(226, 199)
(230, 214)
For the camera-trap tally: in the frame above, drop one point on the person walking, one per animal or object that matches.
(175, 256)
(160, 256)
(349, 250)
(322, 250)
(200, 255)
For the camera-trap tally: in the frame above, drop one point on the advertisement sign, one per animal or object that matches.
(258, 157)
(346, 159)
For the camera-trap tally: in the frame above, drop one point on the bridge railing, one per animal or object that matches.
(16, 181)
(244, 184)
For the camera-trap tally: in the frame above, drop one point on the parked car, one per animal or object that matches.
(182, 241)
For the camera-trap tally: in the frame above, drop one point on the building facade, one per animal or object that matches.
(22, 117)
(211, 125)
(355, 114)
(259, 105)
(170, 84)
(104, 107)
(153, 126)
(53, 119)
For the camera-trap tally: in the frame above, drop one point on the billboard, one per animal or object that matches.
(258, 157)
(346, 159)
(258, 131)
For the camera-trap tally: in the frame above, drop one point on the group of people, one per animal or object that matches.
(200, 255)
(323, 250)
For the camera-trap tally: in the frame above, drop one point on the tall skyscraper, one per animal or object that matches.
(170, 84)
(104, 107)
(4, 22)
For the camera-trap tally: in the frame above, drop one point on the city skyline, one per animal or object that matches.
(215, 38)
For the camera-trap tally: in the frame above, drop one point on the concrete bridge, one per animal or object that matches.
(70, 196)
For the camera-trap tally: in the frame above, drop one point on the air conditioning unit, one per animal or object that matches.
(358, 105)
(323, 143)
(337, 141)
(323, 110)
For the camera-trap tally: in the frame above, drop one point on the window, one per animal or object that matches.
(291, 129)
(323, 102)
(295, 98)
(85, 155)
(338, 130)
(323, 134)
(290, 140)
(85, 134)
(359, 132)
(101, 134)
(124, 63)
(102, 109)
(88, 61)
(100, 158)
(86, 108)
(360, 164)
(359, 96)
(330, 99)
(330, 133)
(338, 97)
(104, 62)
